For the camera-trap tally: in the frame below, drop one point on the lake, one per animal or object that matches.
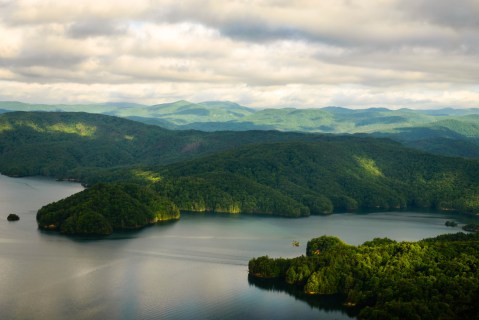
(195, 268)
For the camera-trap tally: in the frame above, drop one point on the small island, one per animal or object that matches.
(383, 279)
(471, 227)
(105, 208)
(13, 217)
(450, 224)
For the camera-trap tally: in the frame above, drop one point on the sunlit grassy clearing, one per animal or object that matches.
(369, 166)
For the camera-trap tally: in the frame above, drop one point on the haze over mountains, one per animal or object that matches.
(225, 115)
(453, 132)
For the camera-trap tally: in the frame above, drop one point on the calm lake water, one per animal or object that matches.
(195, 268)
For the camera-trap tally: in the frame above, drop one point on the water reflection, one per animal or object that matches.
(118, 235)
(323, 302)
(194, 268)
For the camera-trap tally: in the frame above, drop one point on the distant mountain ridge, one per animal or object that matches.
(448, 131)
(188, 115)
(184, 113)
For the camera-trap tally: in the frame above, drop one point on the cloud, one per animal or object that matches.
(38, 12)
(420, 53)
(458, 15)
(256, 31)
(95, 28)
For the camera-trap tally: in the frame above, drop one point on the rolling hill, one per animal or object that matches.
(225, 115)
(54, 143)
(266, 172)
(336, 174)
(452, 132)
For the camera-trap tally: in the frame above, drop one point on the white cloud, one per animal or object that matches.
(263, 53)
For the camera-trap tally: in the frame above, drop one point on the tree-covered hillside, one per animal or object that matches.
(53, 143)
(431, 279)
(452, 132)
(104, 208)
(302, 178)
(225, 115)
(184, 112)
(175, 113)
(458, 136)
(267, 172)
(342, 174)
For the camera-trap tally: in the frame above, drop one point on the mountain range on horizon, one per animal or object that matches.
(448, 131)
(14, 105)
(227, 115)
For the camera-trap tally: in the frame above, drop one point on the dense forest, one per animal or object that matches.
(299, 179)
(104, 208)
(302, 178)
(64, 141)
(451, 132)
(260, 172)
(434, 278)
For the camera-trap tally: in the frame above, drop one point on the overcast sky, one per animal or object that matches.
(260, 53)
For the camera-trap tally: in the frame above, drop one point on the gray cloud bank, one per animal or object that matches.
(264, 53)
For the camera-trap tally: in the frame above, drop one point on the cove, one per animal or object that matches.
(195, 268)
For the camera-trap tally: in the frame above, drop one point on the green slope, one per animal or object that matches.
(184, 112)
(105, 208)
(54, 143)
(337, 120)
(451, 137)
(344, 173)
(226, 115)
(383, 279)
(266, 172)
(444, 132)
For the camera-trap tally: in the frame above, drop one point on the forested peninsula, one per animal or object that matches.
(105, 208)
(434, 278)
